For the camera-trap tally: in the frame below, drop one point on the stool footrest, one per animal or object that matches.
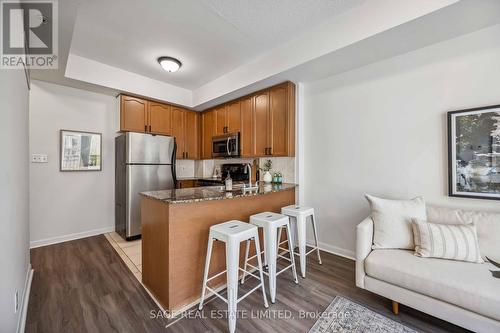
(216, 294)
(284, 269)
(251, 291)
(307, 253)
(217, 275)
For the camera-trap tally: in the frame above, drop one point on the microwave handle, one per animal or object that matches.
(227, 147)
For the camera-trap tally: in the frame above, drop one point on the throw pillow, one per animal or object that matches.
(446, 241)
(392, 221)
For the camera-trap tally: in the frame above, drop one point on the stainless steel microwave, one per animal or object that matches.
(227, 145)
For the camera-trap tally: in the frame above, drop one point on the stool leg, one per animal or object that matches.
(279, 237)
(205, 274)
(232, 262)
(292, 256)
(259, 264)
(247, 249)
(316, 238)
(270, 251)
(301, 235)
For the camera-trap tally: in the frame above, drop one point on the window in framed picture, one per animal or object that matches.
(474, 153)
(80, 151)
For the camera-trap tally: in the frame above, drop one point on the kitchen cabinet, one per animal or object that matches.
(207, 132)
(265, 120)
(185, 129)
(160, 118)
(246, 127)
(191, 135)
(133, 114)
(233, 117)
(227, 118)
(261, 124)
(220, 120)
(140, 115)
(186, 183)
(178, 131)
(279, 122)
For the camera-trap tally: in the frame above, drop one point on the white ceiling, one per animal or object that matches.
(210, 37)
(233, 47)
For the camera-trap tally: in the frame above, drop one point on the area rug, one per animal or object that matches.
(343, 315)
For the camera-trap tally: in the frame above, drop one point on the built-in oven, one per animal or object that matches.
(227, 145)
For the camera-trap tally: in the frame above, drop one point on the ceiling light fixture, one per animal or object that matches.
(169, 64)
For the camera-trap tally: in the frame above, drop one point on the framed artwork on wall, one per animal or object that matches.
(474, 153)
(80, 151)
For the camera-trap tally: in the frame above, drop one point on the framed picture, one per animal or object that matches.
(80, 151)
(474, 153)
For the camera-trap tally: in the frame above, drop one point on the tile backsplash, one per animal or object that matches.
(205, 168)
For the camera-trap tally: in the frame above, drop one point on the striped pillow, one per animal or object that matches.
(446, 241)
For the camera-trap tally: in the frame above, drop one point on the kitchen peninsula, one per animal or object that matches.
(175, 226)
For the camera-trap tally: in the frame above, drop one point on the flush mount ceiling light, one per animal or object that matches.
(169, 64)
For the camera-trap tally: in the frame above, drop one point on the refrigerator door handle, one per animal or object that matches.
(174, 153)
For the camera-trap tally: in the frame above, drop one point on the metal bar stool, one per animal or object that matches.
(271, 223)
(300, 214)
(232, 233)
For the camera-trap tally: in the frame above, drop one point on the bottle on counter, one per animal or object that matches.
(229, 182)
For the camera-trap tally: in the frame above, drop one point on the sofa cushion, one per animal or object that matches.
(392, 221)
(467, 285)
(487, 224)
(446, 241)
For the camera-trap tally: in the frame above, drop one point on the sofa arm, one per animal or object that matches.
(364, 241)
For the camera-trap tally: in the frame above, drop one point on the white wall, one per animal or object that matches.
(381, 129)
(67, 205)
(14, 195)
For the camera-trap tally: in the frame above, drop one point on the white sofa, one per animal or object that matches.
(462, 293)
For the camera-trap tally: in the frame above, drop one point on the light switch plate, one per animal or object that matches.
(39, 158)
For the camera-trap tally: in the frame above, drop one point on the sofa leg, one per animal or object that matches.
(395, 307)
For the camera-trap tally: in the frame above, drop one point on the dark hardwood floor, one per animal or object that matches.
(83, 286)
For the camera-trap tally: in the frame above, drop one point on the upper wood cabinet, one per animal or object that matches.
(227, 118)
(140, 115)
(220, 120)
(133, 114)
(207, 132)
(185, 129)
(178, 130)
(265, 120)
(160, 118)
(191, 135)
(246, 127)
(261, 124)
(233, 117)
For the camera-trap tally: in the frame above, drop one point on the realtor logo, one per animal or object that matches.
(29, 34)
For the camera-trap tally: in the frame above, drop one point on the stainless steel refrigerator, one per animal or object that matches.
(143, 162)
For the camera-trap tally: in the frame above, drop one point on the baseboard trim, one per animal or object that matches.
(21, 325)
(334, 250)
(65, 238)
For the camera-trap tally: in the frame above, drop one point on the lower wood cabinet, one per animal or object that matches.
(186, 183)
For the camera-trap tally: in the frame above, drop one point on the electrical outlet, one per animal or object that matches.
(16, 302)
(39, 158)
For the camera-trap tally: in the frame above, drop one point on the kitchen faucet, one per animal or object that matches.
(248, 168)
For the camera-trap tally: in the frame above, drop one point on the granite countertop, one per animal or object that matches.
(206, 193)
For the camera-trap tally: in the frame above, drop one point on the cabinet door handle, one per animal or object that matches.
(150, 128)
(270, 151)
(187, 154)
(145, 128)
